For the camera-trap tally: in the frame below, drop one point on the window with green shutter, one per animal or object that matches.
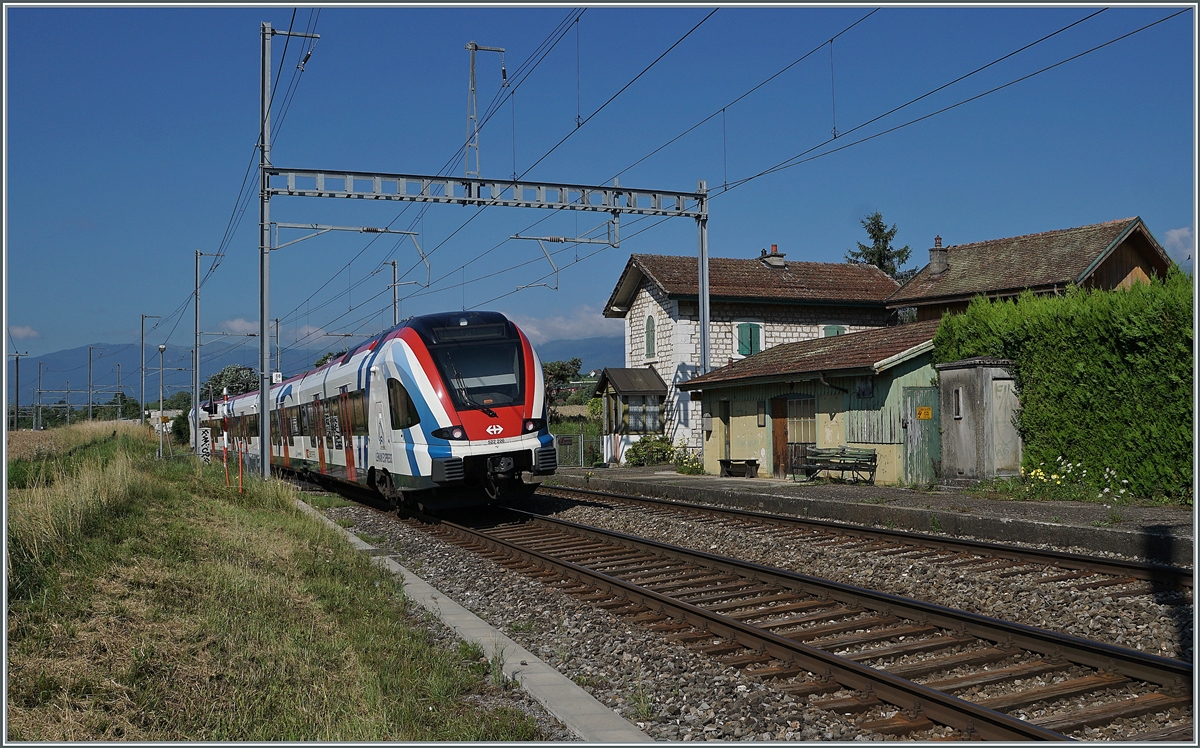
(650, 337)
(831, 330)
(749, 338)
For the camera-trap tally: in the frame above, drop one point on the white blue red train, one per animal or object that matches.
(445, 405)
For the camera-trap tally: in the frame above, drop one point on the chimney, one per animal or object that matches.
(938, 263)
(775, 259)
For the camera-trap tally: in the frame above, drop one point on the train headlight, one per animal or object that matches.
(532, 424)
(454, 433)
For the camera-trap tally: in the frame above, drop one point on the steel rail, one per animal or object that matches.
(1163, 671)
(935, 705)
(1163, 574)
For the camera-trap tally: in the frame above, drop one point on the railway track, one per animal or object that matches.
(906, 665)
(1126, 578)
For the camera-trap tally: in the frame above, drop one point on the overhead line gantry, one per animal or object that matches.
(469, 190)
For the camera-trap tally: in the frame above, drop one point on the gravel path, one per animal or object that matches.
(673, 693)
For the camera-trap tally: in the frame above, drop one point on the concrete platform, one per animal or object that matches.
(570, 704)
(1157, 533)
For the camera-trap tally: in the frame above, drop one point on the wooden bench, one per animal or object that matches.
(739, 468)
(859, 462)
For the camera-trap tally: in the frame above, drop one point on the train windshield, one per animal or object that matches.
(481, 375)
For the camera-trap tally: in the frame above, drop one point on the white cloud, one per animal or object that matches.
(308, 336)
(583, 322)
(239, 326)
(23, 332)
(1180, 245)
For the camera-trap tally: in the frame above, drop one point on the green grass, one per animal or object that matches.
(148, 601)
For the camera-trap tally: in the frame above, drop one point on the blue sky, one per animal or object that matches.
(129, 131)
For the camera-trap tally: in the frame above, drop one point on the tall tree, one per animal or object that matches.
(558, 375)
(237, 378)
(880, 251)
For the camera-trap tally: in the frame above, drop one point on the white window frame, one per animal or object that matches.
(762, 336)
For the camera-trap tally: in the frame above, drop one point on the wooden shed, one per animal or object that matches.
(633, 402)
(873, 389)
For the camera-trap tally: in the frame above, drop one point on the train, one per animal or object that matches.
(444, 409)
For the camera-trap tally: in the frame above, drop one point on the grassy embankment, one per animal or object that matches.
(148, 601)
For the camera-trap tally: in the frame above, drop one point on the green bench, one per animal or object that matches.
(859, 462)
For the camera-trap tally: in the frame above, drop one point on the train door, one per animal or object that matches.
(320, 429)
(347, 432)
(380, 418)
(285, 435)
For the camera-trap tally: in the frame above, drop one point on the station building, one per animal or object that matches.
(756, 304)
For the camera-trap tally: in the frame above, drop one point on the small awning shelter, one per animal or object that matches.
(631, 382)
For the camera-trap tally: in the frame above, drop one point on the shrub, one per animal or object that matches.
(1104, 379)
(687, 462)
(650, 450)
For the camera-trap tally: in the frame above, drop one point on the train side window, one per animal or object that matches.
(358, 413)
(275, 428)
(404, 413)
(252, 426)
(307, 424)
(293, 424)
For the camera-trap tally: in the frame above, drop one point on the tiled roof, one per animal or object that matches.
(731, 278)
(631, 382)
(1016, 263)
(856, 350)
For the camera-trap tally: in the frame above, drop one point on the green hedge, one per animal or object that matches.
(1104, 378)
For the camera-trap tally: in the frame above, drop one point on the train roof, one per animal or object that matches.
(440, 327)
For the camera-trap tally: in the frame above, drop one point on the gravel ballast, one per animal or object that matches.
(672, 693)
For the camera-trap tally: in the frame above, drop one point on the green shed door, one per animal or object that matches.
(922, 437)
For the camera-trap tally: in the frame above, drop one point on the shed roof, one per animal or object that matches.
(1034, 261)
(753, 279)
(868, 351)
(631, 382)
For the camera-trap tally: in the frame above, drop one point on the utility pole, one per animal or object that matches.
(395, 299)
(161, 348)
(264, 245)
(89, 383)
(119, 397)
(38, 421)
(142, 372)
(472, 107)
(17, 389)
(702, 278)
(264, 257)
(68, 402)
(278, 352)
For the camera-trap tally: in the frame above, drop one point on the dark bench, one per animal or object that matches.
(859, 462)
(739, 468)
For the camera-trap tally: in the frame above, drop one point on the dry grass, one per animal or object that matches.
(44, 521)
(153, 603)
(35, 445)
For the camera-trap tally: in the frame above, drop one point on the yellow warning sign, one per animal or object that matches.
(924, 413)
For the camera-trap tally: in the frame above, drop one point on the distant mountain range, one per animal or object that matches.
(71, 365)
(595, 353)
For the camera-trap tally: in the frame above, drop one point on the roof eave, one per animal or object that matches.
(779, 300)
(991, 294)
(624, 292)
(802, 376)
(902, 356)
